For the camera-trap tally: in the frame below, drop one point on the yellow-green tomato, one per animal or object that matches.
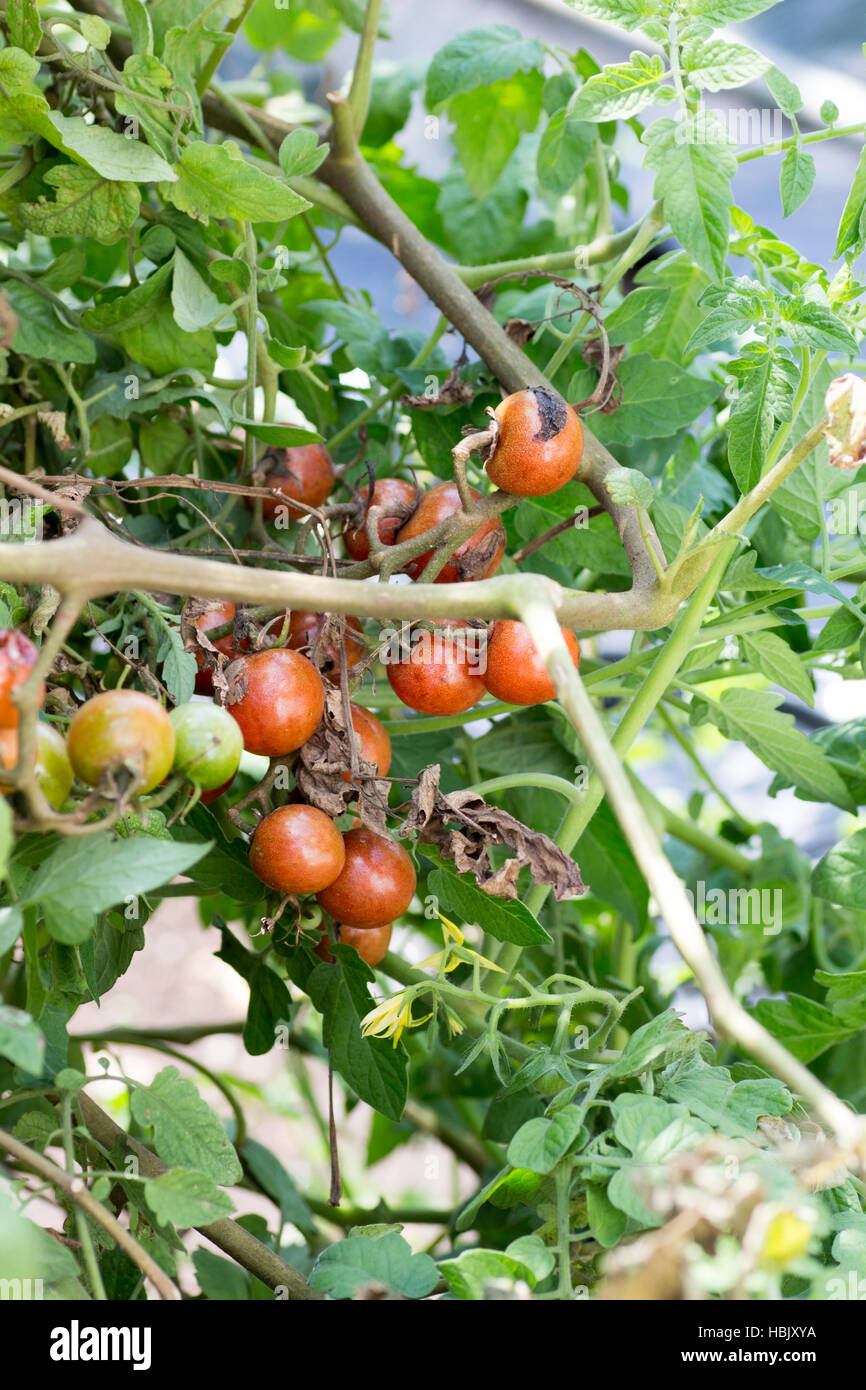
(121, 729)
(53, 768)
(208, 744)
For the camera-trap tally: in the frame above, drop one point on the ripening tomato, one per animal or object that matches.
(515, 672)
(539, 445)
(440, 674)
(277, 698)
(121, 729)
(375, 885)
(479, 557)
(208, 744)
(297, 849)
(397, 499)
(373, 740)
(18, 656)
(304, 629)
(53, 768)
(304, 473)
(371, 943)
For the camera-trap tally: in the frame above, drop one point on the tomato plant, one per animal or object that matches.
(431, 524)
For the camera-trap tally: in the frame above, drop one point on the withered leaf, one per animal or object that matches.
(322, 762)
(465, 828)
(453, 391)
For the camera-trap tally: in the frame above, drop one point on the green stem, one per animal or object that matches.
(562, 1178)
(88, 1251)
(217, 53)
(359, 92)
(596, 252)
(779, 146)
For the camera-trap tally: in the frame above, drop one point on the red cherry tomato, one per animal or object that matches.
(479, 557)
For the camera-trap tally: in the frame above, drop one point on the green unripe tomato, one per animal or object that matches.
(208, 744)
(121, 729)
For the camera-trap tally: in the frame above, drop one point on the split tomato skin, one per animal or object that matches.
(515, 672)
(479, 557)
(373, 740)
(388, 493)
(121, 728)
(297, 849)
(437, 676)
(539, 445)
(277, 698)
(53, 768)
(304, 629)
(303, 473)
(18, 656)
(375, 885)
(208, 744)
(371, 943)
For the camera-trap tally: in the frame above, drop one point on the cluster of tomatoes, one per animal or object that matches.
(273, 699)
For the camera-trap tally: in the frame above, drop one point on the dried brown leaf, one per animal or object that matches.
(466, 828)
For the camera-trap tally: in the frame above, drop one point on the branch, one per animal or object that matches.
(73, 1187)
(226, 1234)
(729, 1016)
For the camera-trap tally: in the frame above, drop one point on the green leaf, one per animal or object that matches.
(563, 151)
(7, 840)
(21, 1039)
(797, 575)
(851, 235)
(621, 89)
(374, 1068)
(784, 92)
(753, 717)
(281, 435)
(752, 415)
(805, 1027)
(479, 58)
(489, 123)
(219, 1279)
(796, 179)
(216, 181)
(85, 205)
(184, 1198)
(637, 315)
(280, 1186)
(539, 1144)
(25, 26)
(655, 1044)
(194, 303)
(301, 153)
(813, 325)
(390, 100)
(481, 229)
(11, 926)
(841, 875)
(347, 1267)
(109, 154)
(629, 487)
(714, 65)
(628, 14)
(270, 1005)
(140, 27)
(470, 1274)
(187, 1134)
(41, 333)
(776, 660)
(606, 1222)
(685, 283)
(710, 1092)
(179, 666)
(658, 398)
(83, 877)
(729, 11)
(506, 921)
(694, 164)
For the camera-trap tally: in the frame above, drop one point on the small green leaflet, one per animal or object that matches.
(477, 59)
(714, 65)
(840, 876)
(85, 205)
(21, 1039)
(797, 575)
(281, 435)
(796, 179)
(694, 163)
(851, 236)
(563, 151)
(373, 1067)
(622, 89)
(25, 26)
(183, 1198)
(194, 303)
(489, 123)
(776, 660)
(187, 1133)
(356, 1263)
(216, 181)
(539, 1144)
(301, 153)
(805, 1027)
(111, 155)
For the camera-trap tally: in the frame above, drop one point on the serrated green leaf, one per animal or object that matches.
(344, 1269)
(796, 180)
(187, 1133)
(506, 921)
(621, 90)
(216, 181)
(184, 1198)
(714, 65)
(85, 205)
(776, 660)
(479, 58)
(694, 164)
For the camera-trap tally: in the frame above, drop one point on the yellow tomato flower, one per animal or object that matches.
(787, 1239)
